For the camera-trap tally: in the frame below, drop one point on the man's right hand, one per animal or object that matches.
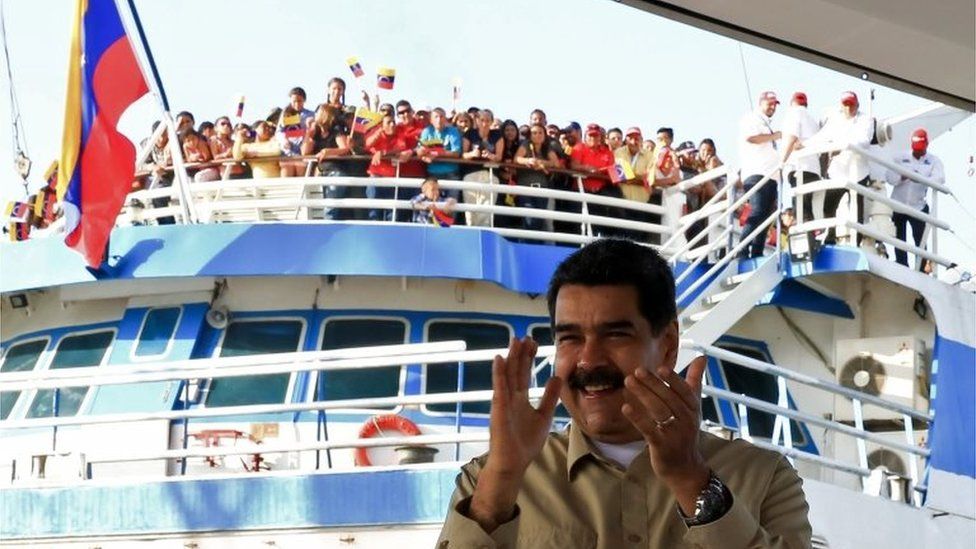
(517, 430)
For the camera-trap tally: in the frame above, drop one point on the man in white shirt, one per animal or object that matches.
(849, 127)
(911, 193)
(758, 158)
(799, 126)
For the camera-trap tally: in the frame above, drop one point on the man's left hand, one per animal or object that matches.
(666, 409)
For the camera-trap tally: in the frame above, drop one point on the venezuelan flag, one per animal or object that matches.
(365, 120)
(355, 67)
(384, 78)
(97, 162)
(621, 171)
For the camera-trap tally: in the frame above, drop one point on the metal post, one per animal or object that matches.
(912, 458)
(491, 196)
(457, 410)
(586, 228)
(744, 423)
(862, 453)
(935, 232)
(396, 193)
(186, 422)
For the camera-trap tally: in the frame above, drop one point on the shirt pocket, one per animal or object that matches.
(545, 536)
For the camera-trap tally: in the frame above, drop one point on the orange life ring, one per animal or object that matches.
(375, 424)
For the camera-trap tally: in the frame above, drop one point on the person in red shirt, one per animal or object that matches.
(384, 144)
(595, 157)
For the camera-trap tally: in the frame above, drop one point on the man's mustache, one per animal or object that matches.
(602, 375)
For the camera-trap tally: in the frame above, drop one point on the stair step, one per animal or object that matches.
(735, 280)
(716, 298)
(697, 317)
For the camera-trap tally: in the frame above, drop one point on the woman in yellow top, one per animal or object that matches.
(263, 147)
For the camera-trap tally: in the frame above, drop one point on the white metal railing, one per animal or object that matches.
(379, 357)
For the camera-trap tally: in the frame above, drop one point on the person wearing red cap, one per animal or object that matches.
(799, 126)
(848, 127)
(595, 157)
(911, 193)
(758, 158)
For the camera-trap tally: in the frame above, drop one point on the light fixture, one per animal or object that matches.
(803, 246)
(18, 301)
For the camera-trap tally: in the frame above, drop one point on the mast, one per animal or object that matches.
(151, 75)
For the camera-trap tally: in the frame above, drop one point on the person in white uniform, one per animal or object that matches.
(758, 158)
(849, 127)
(799, 126)
(912, 193)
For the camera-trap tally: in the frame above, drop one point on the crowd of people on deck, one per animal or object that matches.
(461, 145)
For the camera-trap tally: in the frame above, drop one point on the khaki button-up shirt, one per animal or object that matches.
(574, 497)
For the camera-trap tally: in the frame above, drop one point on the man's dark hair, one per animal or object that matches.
(618, 262)
(617, 130)
(540, 112)
(403, 103)
(205, 125)
(187, 114)
(299, 91)
(668, 131)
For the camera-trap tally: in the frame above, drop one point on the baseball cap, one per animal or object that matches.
(633, 131)
(593, 128)
(800, 98)
(848, 98)
(768, 96)
(920, 140)
(686, 147)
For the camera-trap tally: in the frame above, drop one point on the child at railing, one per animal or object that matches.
(431, 206)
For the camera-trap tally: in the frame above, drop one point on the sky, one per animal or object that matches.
(583, 60)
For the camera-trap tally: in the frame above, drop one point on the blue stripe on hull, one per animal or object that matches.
(245, 503)
(954, 429)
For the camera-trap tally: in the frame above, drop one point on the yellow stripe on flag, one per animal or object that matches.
(71, 134)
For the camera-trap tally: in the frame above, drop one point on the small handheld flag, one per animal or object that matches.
(365, 120)
(240, 107)
(621, 171)
(441, 217)
(355, 67)
(384, 78)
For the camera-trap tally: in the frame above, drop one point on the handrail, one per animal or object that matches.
(199, 367)
(112, 376)
(902, 171)
(830, 387)
(825, 184)
(745, 241)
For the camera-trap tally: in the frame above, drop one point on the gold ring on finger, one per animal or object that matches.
(666, 422)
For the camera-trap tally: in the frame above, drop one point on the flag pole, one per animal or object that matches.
(156, 89)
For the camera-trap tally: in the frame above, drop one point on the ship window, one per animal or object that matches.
(157, 331)
(762, 386)
(542, 335)
(368, 383)
(75, 351)
(443, 378)
(254, 337)
(19, 358)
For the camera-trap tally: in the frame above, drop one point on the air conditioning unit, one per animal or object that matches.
(891, 368)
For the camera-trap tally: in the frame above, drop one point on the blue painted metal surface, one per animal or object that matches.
(953, 431)
(233, 249)
(794, 295)
(244, 503)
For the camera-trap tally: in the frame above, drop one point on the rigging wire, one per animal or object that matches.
(18, 134)
(745, 76)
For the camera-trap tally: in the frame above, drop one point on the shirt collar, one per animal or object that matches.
(579, 448)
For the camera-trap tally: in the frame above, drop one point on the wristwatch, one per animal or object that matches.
(711, 504)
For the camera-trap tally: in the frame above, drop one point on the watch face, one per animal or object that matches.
(713, 502)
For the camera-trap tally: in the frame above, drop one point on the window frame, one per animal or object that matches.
(87, 401)
(425, 408)
(42, 359)
(401, 378)
(169, 343)
(292, 378)
(743, 349)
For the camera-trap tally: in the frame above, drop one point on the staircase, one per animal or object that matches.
(723, 302)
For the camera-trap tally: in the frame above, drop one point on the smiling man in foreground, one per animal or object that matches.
(633, 469)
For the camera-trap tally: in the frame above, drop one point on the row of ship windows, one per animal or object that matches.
(249, 337)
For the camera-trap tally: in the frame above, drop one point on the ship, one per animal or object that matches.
(257, 374)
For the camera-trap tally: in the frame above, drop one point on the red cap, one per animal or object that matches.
(594, 128)
(920, 140)
(768, 96)
(633, 131)
(800, 98)
(849, 98)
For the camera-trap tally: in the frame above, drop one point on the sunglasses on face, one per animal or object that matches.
(403, 112)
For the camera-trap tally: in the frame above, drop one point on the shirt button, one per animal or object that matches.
(634, 538)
